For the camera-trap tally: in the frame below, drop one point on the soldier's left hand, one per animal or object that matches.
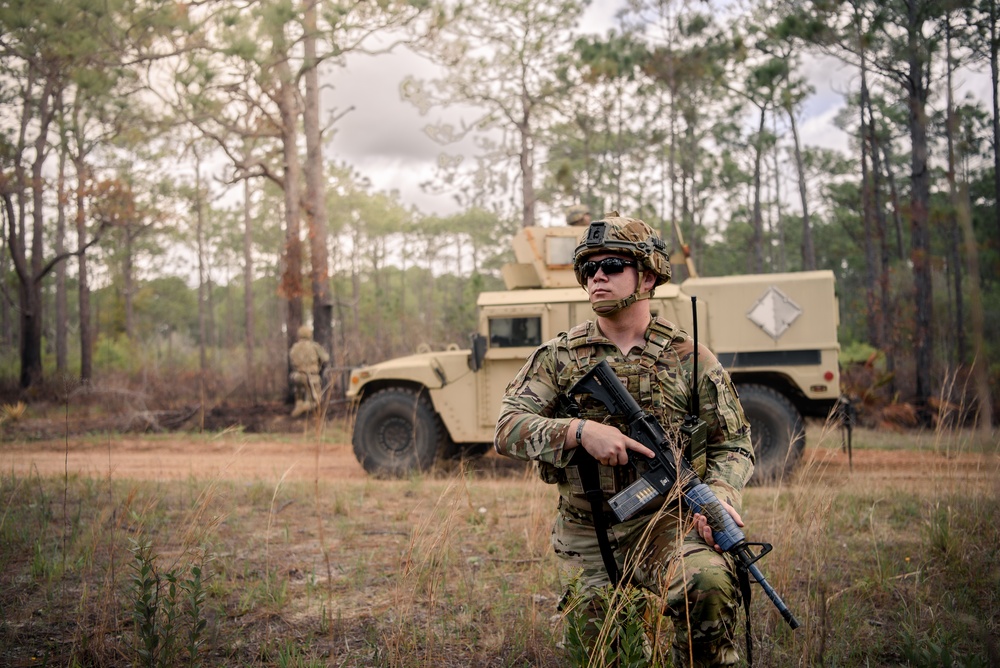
(705, 531)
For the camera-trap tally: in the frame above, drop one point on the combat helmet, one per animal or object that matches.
(305, 332)
(628, 236)
(577, 214)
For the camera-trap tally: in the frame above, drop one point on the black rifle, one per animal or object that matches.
(661, 473)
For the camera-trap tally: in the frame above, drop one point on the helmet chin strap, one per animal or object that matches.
(607, 307)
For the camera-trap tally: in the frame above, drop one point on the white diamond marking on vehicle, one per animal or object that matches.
(774, 312)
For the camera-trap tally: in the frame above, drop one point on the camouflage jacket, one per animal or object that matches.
(534, 418)
(308, 356)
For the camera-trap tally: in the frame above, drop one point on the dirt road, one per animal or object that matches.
(181, 456)
(237, 456)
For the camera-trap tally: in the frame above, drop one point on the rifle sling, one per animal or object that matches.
(592, 487)
(744, 579)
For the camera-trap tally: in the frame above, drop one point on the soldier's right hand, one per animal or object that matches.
(608, 445)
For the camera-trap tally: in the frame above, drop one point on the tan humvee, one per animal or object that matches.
(775, 333)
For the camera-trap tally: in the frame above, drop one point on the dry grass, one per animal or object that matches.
(892, 563)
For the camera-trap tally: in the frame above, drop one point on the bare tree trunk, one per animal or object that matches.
(315, 193)
(199, 249)
(871, 317)
(128, 278)
(83, 279)
(527, 161)
(199, 236)
(757, 223)
(994, 67)
(954, 240)
(356, 296)
(31, 284)
(6, 317)
(291, 278)
(779, 224)
(61, 314)
(920, 210)
(897, 219)
(808, 248)
(881, 316)
(980, 363)
(248, 291)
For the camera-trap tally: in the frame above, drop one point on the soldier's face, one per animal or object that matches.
(610, 280)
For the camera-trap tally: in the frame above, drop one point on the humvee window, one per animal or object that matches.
(514, 332)
(560, 251)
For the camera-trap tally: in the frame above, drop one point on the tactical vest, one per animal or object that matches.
(305, 357)
(650, 379)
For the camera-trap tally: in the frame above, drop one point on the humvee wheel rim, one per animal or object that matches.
(395, 435)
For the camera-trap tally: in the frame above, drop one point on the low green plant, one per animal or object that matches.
(921, 651)
(116, 354)
(288, 654)
(859, 352)
(167, 610)
(619, 637)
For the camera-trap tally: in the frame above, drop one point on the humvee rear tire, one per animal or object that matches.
(777, 431)
(397, 432)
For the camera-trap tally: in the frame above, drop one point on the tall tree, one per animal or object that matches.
(964, 243)
(985, 42)
(901, 42)
(596, 155)
(913, 15)
(315, 171)
(50, 49)
(503, 57)
(256, 76)
(688, 59)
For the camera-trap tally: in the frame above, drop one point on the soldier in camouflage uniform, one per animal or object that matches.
(578, 215)
(619, 262)
(307, 358)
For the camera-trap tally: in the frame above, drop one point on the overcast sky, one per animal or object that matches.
(382, 136)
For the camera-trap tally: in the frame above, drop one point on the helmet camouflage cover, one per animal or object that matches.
(576, 213)
(629, 236)
(305, 332)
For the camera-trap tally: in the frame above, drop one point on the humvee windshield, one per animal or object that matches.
(514, 332)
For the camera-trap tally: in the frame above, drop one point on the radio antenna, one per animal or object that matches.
(694, 375)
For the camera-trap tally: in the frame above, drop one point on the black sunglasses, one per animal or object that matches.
(609, 265)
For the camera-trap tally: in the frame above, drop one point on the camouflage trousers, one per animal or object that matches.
(306, 387)
(696, 585)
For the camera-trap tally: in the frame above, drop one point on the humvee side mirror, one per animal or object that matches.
(479, 345)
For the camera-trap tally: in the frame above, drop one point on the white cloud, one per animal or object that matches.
(383, 138)
(820, 131)
(376, 132)
(600, 16)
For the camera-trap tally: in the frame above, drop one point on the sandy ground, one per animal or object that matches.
(299, 457)
(179, 456)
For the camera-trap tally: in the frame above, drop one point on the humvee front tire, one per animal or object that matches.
(777, 431)
(397, 432)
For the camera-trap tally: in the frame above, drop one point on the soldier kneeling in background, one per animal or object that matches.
(307, 358)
